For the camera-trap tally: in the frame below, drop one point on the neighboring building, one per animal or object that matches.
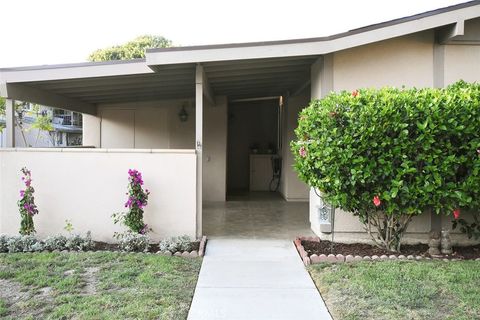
(189, 117)
(67, 128)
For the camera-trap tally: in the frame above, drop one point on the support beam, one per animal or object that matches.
(10, 123)
(438, 65)
(199, 79)
(207, 90)
(321, 75)
(451, 32)
(46, 98)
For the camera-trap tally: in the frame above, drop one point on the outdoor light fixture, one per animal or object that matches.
(183, 115)
(325, 214)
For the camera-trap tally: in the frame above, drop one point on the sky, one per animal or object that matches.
(63, 31)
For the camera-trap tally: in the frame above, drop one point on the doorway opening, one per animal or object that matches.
(253, 147)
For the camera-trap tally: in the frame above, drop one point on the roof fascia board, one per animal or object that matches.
(63, 72)
(309, 46)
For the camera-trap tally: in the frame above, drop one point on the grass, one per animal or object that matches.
(96, 285)
(400, 289)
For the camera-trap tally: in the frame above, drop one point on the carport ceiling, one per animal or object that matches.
(255, 78)
(236, 79)
(168, 84)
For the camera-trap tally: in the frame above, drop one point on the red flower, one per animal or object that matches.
(456, 213)
(355, 93)
(302, 152)
(376, 201)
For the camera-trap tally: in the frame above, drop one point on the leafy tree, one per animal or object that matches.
(130, 50)
(2, 111)
(43, 122)
(388, 155)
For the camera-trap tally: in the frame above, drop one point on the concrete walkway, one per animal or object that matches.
(255, 279)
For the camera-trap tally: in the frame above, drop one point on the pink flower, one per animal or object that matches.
(456, 213)
(355, 93)
(302, 152)
(376, 201)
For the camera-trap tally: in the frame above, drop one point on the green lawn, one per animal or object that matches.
(96, 285)
(400, 289)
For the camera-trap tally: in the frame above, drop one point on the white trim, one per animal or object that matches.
(73, 71)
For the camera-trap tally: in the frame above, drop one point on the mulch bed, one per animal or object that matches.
(319, 247)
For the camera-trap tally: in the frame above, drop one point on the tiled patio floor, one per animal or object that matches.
(258, 215)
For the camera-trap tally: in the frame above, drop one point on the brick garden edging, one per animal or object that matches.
(339, 258)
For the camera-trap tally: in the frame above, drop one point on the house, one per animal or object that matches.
(190, 117)
(66, 125)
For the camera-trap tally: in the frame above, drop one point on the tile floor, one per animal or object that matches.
(256, 215)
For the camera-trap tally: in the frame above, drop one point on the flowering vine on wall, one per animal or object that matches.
(26, 204)
(135, 204)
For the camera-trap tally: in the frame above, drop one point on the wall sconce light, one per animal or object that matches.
(183, 115)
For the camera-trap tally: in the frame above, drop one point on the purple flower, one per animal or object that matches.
(22, 193)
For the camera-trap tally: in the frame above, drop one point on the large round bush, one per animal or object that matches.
(389, 154)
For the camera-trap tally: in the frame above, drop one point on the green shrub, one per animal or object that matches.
(26, 243)
(387, 155)
(176, 244)
(57, 242)
(78, 242)
(4, 243)
(134, 242)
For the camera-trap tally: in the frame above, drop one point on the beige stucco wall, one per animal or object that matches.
(292, 188)
(87, 185)
(462, 62)
(151, 124)
(395, 62)
(156, 125)
(410, 61)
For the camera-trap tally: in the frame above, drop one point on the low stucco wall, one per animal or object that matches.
(86, 186)
(349, 229)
